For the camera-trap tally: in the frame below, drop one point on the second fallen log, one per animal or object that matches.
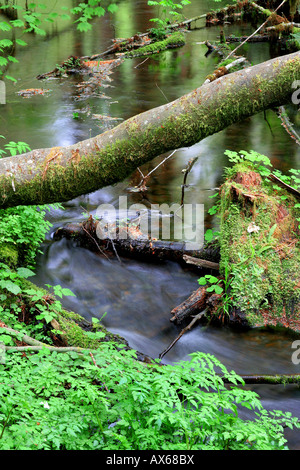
(193, 305)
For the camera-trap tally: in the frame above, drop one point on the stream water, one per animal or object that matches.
(137, 296)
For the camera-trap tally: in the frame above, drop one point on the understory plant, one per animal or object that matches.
(109, 400)
(167, 14)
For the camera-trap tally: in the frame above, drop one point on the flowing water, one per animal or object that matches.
(138, 296)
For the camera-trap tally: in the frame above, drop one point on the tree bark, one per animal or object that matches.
(63, 173)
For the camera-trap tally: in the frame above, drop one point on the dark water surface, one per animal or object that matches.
(137, 296)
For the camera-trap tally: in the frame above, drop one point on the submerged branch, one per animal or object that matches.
(184, 330)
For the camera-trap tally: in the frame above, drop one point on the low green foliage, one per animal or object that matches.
(258, 161)
(213, 283)
(58, 401)
(25, 227)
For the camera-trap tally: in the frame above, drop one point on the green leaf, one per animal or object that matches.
(3, 61)
(17, 23)
(5, 43)
(112, 8)
(21, 42)
(212, 279)
(83, 27)
(5, 339)
(208, 235)
(218, 289)
(4, 26)
(210, 289)
(12, 59)
(25, 272)
(10, 286)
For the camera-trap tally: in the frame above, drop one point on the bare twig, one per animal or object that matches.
(286, 123)
(144, 178)
(184, 330)
(162, 93)
(99, 248)
(24, 338)
(287, 187)
(141, 63)
(186, 171)
(114, 248)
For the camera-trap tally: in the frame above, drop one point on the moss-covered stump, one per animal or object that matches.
(259, 245)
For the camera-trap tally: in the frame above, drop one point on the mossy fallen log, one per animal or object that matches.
(172, 41)
(43, 176)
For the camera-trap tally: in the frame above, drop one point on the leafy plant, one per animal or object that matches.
(14, 148)
(87, 11)
(259, 162)
(67, 401)
(214, 283)
(166, 10)
(214, 286)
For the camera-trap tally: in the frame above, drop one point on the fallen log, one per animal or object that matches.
(62, 173)
(85, 234)
(201, 262)
(172, 41)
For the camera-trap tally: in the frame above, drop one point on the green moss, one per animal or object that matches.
(9, 254)
(174, 40)
(264, 265)
(75, 326)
